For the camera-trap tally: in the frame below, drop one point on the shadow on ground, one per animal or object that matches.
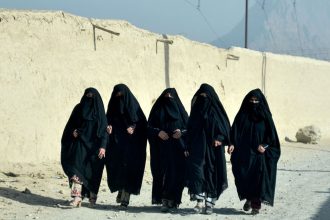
(30, 198)
(323, 212)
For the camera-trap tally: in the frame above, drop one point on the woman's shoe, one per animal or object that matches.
(164, 207)
(208, 210)
(76, 202)
(247, 206)
(123, 205)
(255, 211)
(198, 208)
(92, 200)
(118, 198)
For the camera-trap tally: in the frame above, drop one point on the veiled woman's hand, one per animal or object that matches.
(109, 129)
(177, 134)
(217, 143)
(230, 149)
(101, 153)
(130, 130)
(75, 133)
(163, 135)
(261, 149)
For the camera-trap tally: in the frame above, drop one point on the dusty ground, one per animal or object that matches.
(303, 192)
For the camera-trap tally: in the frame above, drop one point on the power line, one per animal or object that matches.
(191, 4)
(198, 8)
(262, 5)
(297, 24)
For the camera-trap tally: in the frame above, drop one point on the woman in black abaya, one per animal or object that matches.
(166, 127)
(126, 155)
(257, 150)
(83, 147)
(208, 133)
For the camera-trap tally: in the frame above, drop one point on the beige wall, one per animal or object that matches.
(47, 59)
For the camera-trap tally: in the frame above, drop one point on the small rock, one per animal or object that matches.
(289, 139)
(11, 174)
(309, 135)
(26, 191)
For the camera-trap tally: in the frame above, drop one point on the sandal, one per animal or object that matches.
(209, 204)
(208, 210)
(76, 202)
(198, 208)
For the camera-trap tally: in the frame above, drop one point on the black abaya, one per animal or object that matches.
(167, 159)
(79, 156)
(126, 154)
(208, 122)
(255, 172)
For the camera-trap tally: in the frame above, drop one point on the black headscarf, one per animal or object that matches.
(125, 104)
(167, 109)
(256, 112)
(255, 173)
(93, 108)
(89, 108)
(202, 106)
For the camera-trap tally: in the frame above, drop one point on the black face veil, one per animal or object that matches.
(257, 111)
(92, 107)
(168, 109)
(123, 102)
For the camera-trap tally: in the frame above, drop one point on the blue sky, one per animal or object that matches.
(214, 19)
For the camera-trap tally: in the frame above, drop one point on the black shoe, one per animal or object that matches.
(208, 210)
(164, 208)
(247, 206)
(118, 198)
(155, 201)
(255, 211)
(123, 206)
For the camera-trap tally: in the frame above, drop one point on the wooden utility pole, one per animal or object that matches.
(246, 23)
